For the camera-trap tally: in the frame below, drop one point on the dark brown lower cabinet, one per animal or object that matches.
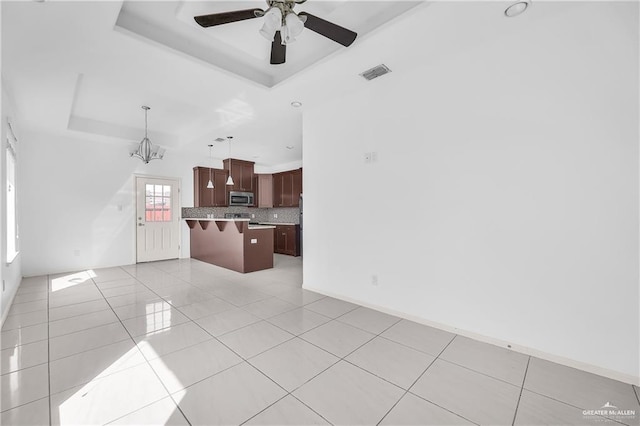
(286, 240)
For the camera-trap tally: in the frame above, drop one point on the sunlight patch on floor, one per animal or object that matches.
(112, 396)
(71, 280)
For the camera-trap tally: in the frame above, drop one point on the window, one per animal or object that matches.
(158, 203)
(12, 223)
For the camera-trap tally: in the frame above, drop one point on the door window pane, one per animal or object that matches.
(158, 203)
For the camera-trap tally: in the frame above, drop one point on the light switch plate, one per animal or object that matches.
(254, 241)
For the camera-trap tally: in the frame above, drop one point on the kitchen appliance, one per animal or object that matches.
(241, 198)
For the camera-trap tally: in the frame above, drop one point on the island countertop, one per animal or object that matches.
(209, 219)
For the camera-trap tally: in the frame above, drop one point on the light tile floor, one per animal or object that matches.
(184, 342)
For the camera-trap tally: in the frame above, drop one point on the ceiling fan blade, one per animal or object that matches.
(278, 50)
(328, 29)
(226, 17)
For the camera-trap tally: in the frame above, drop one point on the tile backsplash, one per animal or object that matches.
(285, 214)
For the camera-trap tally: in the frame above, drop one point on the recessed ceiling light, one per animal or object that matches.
(289, 146)
(296, 104)
(517, 8)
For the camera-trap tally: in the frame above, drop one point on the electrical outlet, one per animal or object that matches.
(367, 157)
(374, 280)
(253, 216)
(275, 215)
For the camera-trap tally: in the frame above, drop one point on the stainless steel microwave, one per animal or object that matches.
(240, 198)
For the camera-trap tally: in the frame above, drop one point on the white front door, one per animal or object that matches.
(157, 219)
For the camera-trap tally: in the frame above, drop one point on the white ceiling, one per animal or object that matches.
(86, 67)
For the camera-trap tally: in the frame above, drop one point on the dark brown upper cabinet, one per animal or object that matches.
(209, 197)
(287, 187)
(242, 174)
(264, 194)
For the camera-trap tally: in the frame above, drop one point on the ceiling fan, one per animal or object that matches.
(281, 25)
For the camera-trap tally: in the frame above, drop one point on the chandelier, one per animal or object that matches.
(145, 150)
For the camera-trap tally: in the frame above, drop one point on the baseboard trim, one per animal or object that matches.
(568, 362)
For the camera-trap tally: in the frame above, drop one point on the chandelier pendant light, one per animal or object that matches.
(230, 179)
(145, 150)
(210, 183)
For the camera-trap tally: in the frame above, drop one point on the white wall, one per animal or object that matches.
(505, 199)
(10, 274)
(71, 192)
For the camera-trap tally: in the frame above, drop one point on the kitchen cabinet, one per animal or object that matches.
(286, 240)
(277, 189)
(265, 191)
(242, 174)
(296, 187)
(287, 187)
(209, 197)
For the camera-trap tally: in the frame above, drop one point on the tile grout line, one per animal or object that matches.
(287, 391)
(328, 367)
(569, 404)
(515, 413)
(48, 396)
(256, 368)
(418, 396)
(147, 363)
(221, 371)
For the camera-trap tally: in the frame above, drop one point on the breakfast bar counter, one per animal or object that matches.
(232, 243)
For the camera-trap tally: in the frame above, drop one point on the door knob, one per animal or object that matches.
(141, 224)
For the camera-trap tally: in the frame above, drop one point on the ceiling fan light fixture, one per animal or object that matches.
(293, 28)
(272, 23)
(517, 8)
(282, 25)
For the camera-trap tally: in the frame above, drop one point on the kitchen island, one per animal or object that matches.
(232, 243)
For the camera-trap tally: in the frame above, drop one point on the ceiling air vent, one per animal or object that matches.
(375, 72)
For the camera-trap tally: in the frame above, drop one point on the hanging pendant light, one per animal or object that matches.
(145, 150)
(210, 183)
(230, 179)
